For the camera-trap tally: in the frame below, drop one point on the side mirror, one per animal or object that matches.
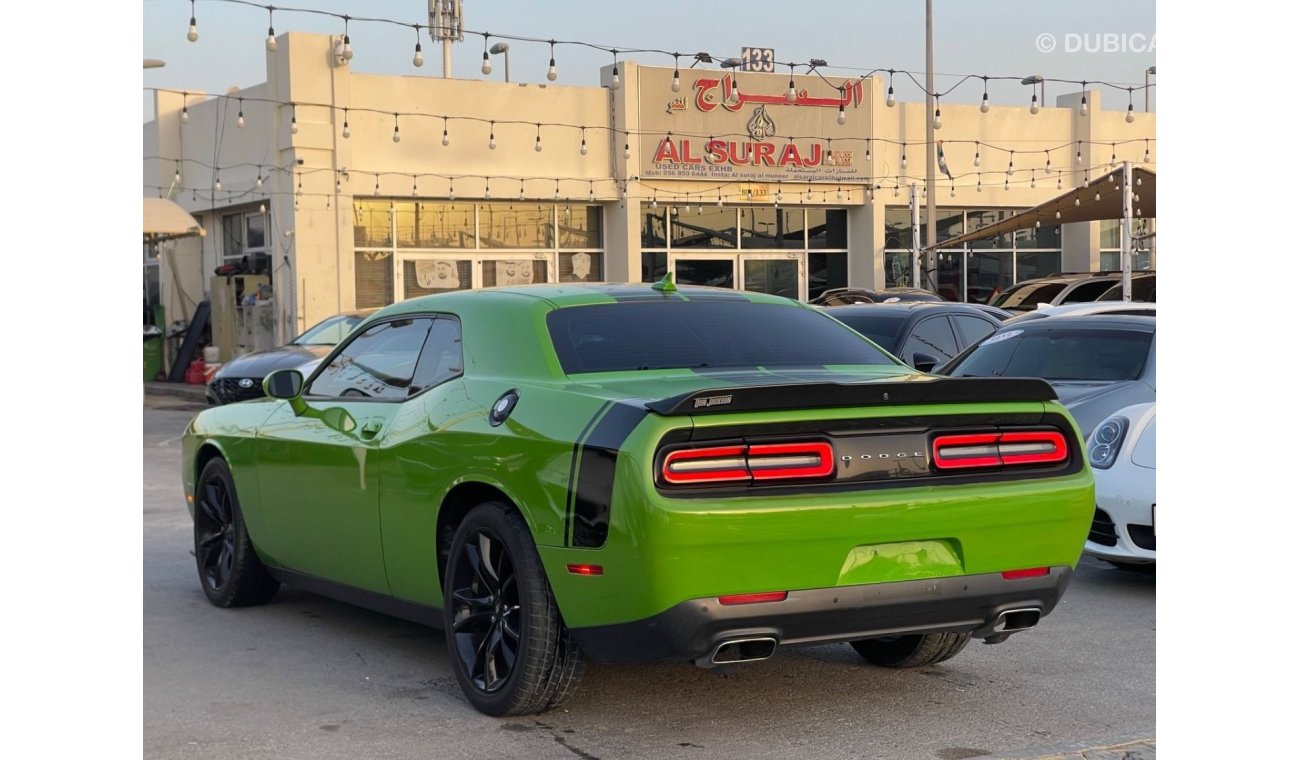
(924, 362)
(283, 383)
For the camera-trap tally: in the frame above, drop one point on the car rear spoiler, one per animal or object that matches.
(763, 398)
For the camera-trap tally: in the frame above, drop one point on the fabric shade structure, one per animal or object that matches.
(166, 220)
(1088, 209)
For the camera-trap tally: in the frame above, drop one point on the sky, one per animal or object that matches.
(984, 37)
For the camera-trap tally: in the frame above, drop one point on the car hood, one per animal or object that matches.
(1091, 402)
(262, 363)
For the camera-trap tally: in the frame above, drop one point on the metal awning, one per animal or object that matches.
(1078, 205)
(165, 220)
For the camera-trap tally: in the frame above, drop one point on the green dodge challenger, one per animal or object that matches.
(637, 473)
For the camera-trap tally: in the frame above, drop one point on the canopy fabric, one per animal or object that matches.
(165, 220)
(1078, 205)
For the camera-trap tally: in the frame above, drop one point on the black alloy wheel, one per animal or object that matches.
(509, 649)
(486, 610)
(229, 570)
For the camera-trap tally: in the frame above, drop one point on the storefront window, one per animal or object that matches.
(514, 225)
(434, 225)
(1037, 264)
(987, 273)
(654, 265)
(499, 272)
(581, 267)
(826, 271)
(898, 268)
(1043, 236)
(828, 228)
(898, 228)
(704, 227)
(580, 227)
(763, 227)
(425, 277)
(977, 220)
(654, 232)
(372, 224)
(776, 276)
(374, 278)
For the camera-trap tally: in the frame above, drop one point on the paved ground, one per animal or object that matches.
(305, 677)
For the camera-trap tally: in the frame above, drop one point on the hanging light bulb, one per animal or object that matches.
(614, 81)
(185, 114)
(895, 190)
(451, 190)
(550, 69)
(1033, 104)
(591, 191)
(1058, 183)
(521, 189)
(984, 104)
(582, 149)
(938, 122)
(903, 161)
(841, 117)
(1078, 154)
(1129, 117)
(839, 194)
(1083, 105)
(486, 68)
(446, 139)
(1011, 164)
(239, 122)
(677, 75)
(397, 135)
(719, 200)
(347, 130)
(338, 184)
(261, 208)
(868, 152)
(537, 144)
(977, 154)
(177, 177)
(217, 185)
(779, 196)
(418, 59)
(889, 96)
(627, 152)
(1097, 197)
(293, 119)
(259, 176)
(1032, 182)
(376, 184)
(952, 191)
(1139, 181)
(808, 196)
(415, 187)
(1058, 213)
(347, 42)
(654, 201)
(1006, 184)
(1146, 158)
(1113, 160)
(492, 136)
(487, 190)
(270, 35)
(193, 34)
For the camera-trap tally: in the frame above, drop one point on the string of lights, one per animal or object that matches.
(447, 120)
(813, 65)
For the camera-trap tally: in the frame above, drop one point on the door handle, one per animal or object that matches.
(371, 429)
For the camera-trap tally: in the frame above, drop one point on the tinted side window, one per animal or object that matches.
(441, 360)
(931, 336)
(1088, 291)
(378, 363)
(972, 329)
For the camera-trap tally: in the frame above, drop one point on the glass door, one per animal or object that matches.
(780, 274)
(515, 269)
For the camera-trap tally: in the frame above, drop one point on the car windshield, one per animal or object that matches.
(329, 332)
(702, 333)
(1029, 296)
(883, 330)
(1059, 354)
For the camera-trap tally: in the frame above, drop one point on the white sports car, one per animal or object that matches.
(1122, 452)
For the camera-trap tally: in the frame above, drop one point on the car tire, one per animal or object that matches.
(505, 600)
(230, 571)
(911, 651)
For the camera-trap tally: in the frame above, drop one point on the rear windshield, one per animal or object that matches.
(698, 334)
(1097, 355)
(1029, 296)
(883, 330)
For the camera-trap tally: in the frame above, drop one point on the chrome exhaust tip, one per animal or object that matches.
(1011, 621)
(733, 651)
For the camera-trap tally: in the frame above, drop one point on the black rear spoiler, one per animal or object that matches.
(763, 398)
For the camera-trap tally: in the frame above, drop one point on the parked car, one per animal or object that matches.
(1085, 309)
(1056, 289)
(1142, 287)
(846, 296)
(635, 473)
(923, 334)
(1097, 364)
(1122, 451)
(241, 378)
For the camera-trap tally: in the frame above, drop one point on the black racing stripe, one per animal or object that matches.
(573, 468)
(596, 463)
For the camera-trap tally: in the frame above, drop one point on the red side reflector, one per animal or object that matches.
(953, 452)
(766, 596)
(1032, 572)
(586, 569)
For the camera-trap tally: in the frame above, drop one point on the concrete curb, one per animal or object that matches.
(194, 393)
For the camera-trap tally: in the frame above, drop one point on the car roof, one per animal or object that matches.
(1091, 321)
(1085, 308)
(562, 295)
(902, 308)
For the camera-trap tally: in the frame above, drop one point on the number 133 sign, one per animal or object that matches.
(757, 59)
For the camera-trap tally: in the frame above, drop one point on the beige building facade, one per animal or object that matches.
(345, 191)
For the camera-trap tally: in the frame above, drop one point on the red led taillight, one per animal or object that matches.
(736, 464)
(954, 452)
(766, 596)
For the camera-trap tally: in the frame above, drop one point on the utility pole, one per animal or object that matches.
(1126, 233)
(916, 234)
(930, 223)
(446, 25)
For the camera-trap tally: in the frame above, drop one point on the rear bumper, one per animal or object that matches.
(693, 628)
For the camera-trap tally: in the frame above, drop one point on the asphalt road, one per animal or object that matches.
(306, 677)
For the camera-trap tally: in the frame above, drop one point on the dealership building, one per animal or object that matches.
(325, 190)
